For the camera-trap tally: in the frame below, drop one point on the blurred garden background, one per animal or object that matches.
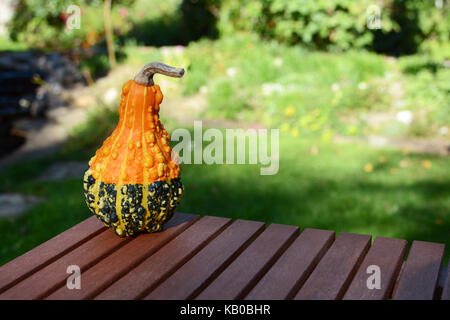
(360, 91)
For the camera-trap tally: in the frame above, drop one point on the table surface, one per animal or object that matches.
(217, 258)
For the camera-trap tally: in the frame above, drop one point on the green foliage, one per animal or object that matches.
(171, 22)
(405, 25)
(266, 78)
(306, 92)
(42, 24)
(320, 24)
(7, 45)
(427, 92)
(198, 18)
(422, 26)
(315, 93)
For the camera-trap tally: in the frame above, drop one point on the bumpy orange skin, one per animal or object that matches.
(136, 157)
(138, 150)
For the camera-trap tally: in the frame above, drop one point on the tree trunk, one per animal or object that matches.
(109, 34)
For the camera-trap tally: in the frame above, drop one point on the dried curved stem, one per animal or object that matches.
(145, 76)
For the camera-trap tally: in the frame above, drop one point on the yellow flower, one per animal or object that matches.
(294, 132)
(426, 164)
(394, 170)
(368, 167)
(405, 151)
(382, 159)
(439, 221)
(289, 111)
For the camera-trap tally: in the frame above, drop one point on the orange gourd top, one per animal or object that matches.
(138, 150)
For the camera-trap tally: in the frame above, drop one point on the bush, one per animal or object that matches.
(406, 25)
(420, 26)
(319, 24)
(42, 24)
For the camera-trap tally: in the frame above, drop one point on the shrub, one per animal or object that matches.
(41, 24)
(337, 24)
(406, 25)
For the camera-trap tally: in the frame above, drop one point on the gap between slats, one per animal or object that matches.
(96, 284)
(385, 253)
(192, 254)
(183, 261)
(322, 283)
(237, 289)
(138, 282)
(197, 273)
(446, 284)
(61, 276)
(420, 273)
(20, 276)
(287, 275)
(26, 289)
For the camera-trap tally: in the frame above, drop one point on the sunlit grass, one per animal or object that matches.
(8, 45)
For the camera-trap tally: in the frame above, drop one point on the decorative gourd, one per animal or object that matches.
(132, 183)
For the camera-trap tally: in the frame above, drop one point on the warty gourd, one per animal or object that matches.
(133, 182)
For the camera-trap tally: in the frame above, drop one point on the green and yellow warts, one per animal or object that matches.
(131, 208)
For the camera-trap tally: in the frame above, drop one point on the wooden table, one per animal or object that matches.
(217, 258)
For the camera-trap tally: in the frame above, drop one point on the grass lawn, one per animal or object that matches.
(309, 92)
(339, 187)
(8, 45)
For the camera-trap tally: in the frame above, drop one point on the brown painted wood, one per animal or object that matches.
(54, 275)
(155, 269)
(388, 255)
(243, 273)
(104, 273)
(446, 289)
(198, 272)
(418, 280)
(294, 266)
(333, 274)
(23, 266)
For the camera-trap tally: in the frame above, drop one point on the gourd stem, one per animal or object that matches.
(145, 76)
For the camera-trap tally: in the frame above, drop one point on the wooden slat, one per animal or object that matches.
(44, 281)
(195, 274)
(23, 266)
(152, 271)
(446, 288)
(243, 273)
(104, 273)
(418, 280)
(333, 274)
(292, 269)
(388, 255)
